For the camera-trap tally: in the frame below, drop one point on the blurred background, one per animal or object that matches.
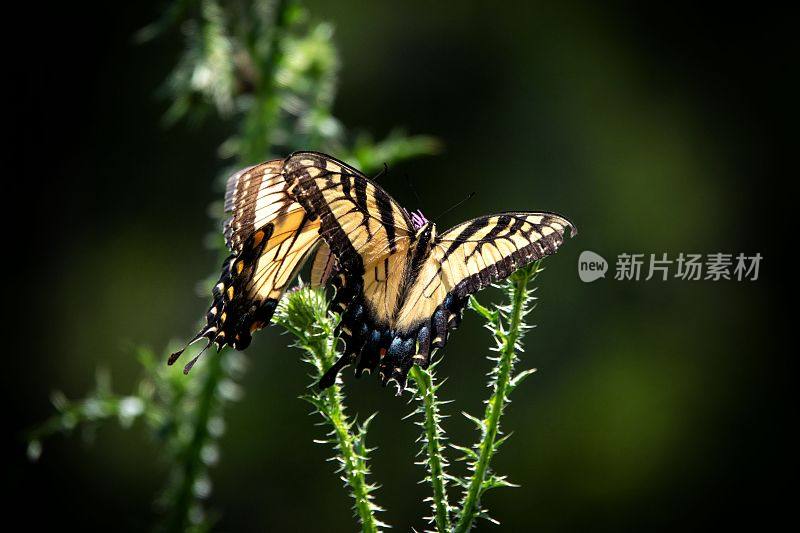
(657, 405)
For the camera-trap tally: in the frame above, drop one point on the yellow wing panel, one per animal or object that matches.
(254, 197)
(477, 253)
(360, 222)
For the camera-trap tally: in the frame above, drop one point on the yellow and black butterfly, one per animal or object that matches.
(401, 285)
(270, 237)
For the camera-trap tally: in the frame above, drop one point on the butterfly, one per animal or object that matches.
(400, 284)
(270, 237)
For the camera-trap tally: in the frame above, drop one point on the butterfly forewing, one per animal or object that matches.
(360, 222)
(475, 254)
(254, 196)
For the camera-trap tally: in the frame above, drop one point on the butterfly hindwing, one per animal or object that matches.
(270, 236)
(438, 275)
(323, 267)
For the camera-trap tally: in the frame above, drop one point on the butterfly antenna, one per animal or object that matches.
(458, 204)
(383, 172)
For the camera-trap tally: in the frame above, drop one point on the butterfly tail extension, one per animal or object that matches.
(232, 317)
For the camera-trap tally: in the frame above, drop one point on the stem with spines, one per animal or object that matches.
(433, 438)
(507, 340)
(304, 313)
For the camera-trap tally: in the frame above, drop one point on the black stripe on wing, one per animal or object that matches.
(254, 196)
(466, 258)
(533, 236)
(348, 232)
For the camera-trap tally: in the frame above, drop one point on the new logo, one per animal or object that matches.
(591, 266)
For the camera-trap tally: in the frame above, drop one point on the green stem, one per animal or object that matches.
(191, 464)
(427, 393)
(494, 408)
(354, 464)
(304, 313)
(260, 122)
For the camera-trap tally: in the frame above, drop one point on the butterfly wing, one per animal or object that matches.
(359, 221)
(441, 275)
(323, 267)
(370, 237)
(254, 196)
(270, 236)
(469, 257)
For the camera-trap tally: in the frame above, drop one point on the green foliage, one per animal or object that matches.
(271, 72)
(185, 416)
(397, 146)
(267, 67)
(304, 313)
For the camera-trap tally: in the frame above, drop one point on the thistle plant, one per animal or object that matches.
(269, 70)
(304, 314)
(507, 324)
(433, 442)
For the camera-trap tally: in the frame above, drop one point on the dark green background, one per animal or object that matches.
(657, 405)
